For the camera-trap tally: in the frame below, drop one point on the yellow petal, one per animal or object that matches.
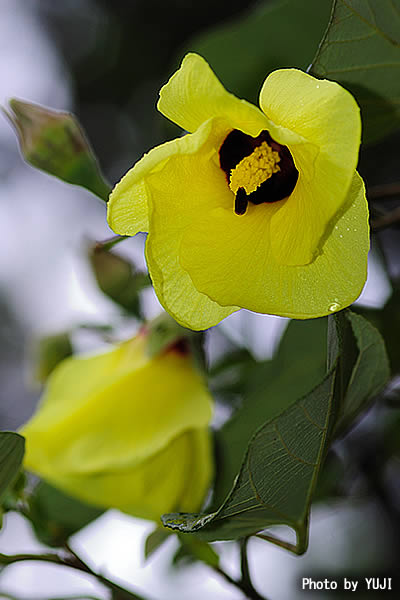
(128, 204)
(187, 187)
(242, 270)
(113, 411)
(127, 209)
(200, 473)
(327, 120)
(194, 94)
(174, 479)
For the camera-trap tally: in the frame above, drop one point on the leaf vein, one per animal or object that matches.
(379, 31)
(361, 38)
(258, 497)
(297, 458)
(309, 418)
(395, 9)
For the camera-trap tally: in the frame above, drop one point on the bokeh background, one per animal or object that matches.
(105, 61)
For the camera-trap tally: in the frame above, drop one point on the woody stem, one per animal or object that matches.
(71, 560)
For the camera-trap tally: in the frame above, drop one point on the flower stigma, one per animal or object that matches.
(257, 169)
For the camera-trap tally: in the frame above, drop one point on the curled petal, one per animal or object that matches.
(128, 206)
(174, 478)
(194, 94)
(327, 119)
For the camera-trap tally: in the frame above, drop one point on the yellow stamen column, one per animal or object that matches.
(253, 170)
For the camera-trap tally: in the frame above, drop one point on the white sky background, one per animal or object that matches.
(44, 228)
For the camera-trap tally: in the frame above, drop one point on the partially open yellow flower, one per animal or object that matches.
(122, 430)
(257, 209)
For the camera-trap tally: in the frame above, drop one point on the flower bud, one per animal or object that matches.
(53, 141)
(118, 278)
(125, 430)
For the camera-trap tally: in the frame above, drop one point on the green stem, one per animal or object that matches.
(110, 242)
(70, 559)
(247, 584)
(281, 543)
(6, 596)
(244, 584)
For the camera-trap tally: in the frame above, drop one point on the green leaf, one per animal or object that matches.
(55, 516)
(54, 142)
(269, 387)
(361, 50)
(118, 279)
(330, 483)
(282, 33)
(194, 549)
(12, 448)
(277, 474)
(363, 368)
(387, 320)
(155, 540)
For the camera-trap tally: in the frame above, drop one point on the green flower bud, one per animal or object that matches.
(125, 430)
(49, 352)
(54, 142)
(118, 278)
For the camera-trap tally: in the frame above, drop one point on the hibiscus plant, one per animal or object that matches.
(249, 207)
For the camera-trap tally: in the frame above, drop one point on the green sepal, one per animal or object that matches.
(118, 279)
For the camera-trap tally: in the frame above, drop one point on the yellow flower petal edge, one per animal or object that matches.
(278, 214)
(122, 430)
(334, 280)
(172, 284)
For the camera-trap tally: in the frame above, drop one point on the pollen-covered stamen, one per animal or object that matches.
(257, 169)
(253, 170)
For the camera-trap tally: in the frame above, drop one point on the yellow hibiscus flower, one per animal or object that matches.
(254, 208)
(124, 430)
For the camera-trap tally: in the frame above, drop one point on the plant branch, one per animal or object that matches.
(383, 190)
(386, 219)
(72, 560)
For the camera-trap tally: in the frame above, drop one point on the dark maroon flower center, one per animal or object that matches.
(237, 146)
